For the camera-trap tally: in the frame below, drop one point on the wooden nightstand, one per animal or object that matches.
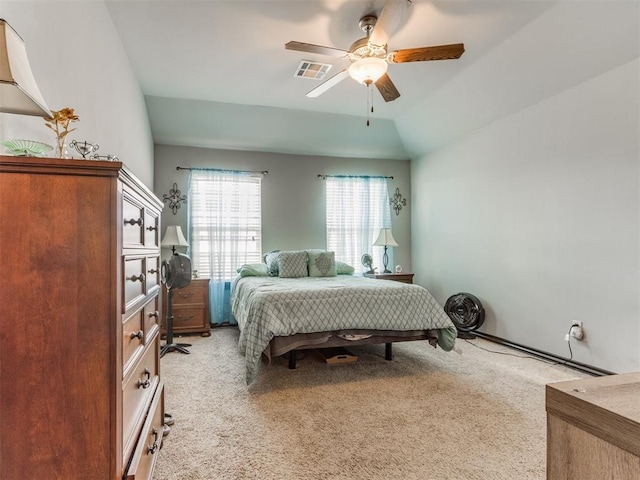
(397, 277)
(190, 308)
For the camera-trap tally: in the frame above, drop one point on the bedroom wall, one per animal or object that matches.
(538, 215)
(78, 62)
(293, 213)
(534, 207)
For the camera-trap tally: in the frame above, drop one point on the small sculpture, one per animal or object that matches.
(84, 148)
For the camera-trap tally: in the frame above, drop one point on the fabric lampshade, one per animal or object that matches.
(385, 239)
(18, 90)
(173, 237)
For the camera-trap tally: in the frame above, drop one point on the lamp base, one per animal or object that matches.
(385, 261)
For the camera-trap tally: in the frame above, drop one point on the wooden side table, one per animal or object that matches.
(396, 277)
(593, 428)
(190, 308)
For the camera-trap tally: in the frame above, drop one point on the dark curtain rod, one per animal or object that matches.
(324, 177)
(263, 172)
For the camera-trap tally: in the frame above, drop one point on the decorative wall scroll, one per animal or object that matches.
(398, 202)
(174, 198)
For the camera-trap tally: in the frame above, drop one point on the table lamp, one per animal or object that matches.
(385, 239)
(173, 238)
(18, 90)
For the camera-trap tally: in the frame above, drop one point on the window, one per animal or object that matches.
(357, 208)
(225, 229)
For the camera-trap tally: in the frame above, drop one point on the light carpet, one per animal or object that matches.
(428, 414)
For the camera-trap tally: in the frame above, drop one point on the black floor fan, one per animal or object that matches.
(176, 273)
(466, 312)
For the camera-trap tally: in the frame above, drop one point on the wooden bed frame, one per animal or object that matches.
(282, 345)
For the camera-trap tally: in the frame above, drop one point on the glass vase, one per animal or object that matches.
(61, 148)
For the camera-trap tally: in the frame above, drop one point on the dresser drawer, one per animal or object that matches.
(137, 389)
(134, 284)
(137, 329)
(151, 228)
(152, 317)
(184, 317)
(133, 333)
(133, 221)
(148, 446)
(153, 273)
(188, 295)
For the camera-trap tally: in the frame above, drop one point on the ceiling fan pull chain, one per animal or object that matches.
(371, 93)
(368, 96)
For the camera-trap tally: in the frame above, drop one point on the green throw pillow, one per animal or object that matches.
(344, 268)
(253, 270)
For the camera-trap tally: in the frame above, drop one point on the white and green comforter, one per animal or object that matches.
(270, 306)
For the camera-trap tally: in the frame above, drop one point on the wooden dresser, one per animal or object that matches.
(80, 390)
(190, 308)
(593, 428)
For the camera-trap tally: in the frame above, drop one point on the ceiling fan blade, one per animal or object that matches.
(327, 84)
(393, 12)
(310, 48)
(387, 89)
(423, 54)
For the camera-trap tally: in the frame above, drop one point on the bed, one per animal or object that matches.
(279, 315)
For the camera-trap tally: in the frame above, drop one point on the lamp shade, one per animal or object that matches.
(385, 239)
(173, 237)
(18, 90)
(368, 70)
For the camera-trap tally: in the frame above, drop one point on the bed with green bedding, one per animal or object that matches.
(276, 315)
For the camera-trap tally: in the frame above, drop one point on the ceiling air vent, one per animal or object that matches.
(315, 70)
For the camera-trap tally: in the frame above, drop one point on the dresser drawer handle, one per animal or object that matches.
(145, 383)
(131, 221)
(153, 228)
(153, 271)
(139, 335)
(185, 295)
(139, 278)
(154, 314)
(180, 317)
(151, 449)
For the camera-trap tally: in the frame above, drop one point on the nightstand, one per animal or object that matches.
(396, 277)
(190, 308)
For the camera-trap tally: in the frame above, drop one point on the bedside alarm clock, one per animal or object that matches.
(398, 269)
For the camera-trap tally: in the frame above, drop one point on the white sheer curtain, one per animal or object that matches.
(357, 208)
(225, 230)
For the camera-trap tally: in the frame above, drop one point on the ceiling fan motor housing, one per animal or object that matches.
(466, 313)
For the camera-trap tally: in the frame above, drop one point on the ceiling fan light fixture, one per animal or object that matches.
(368, 70)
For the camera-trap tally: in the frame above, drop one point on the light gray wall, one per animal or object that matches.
(293, 198)
(538, 215)
(78, 61)
(536, 209)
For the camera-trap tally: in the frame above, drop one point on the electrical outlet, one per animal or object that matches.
(576, 330)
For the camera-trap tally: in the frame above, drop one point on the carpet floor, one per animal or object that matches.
(428, 414)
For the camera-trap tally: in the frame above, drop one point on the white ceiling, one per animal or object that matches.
(226, 56)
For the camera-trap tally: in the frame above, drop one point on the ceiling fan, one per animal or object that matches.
(370, 57)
